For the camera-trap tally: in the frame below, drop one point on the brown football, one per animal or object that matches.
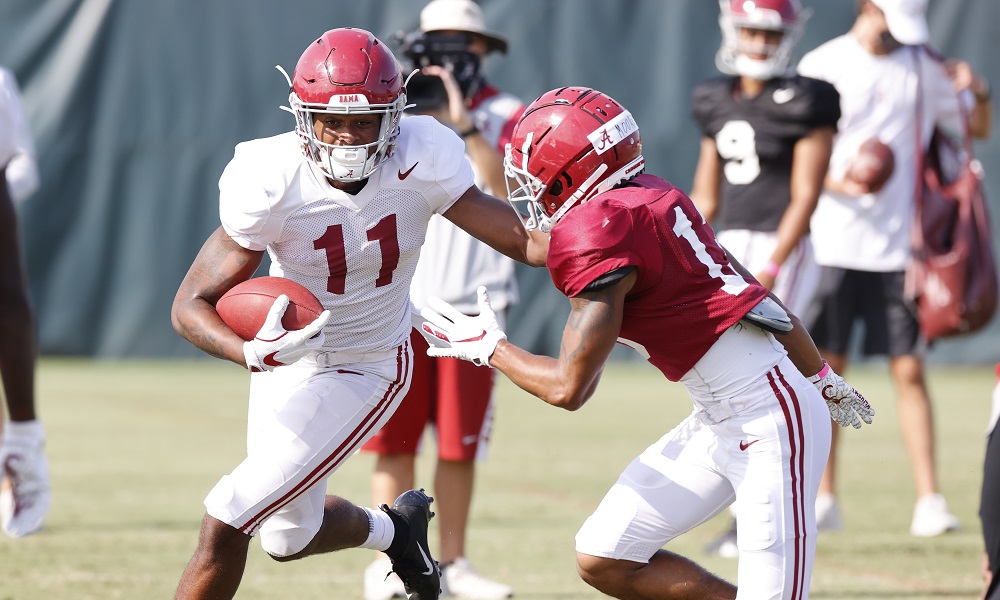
(246, 305)
(872, 165)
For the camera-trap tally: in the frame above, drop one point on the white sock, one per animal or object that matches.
(380, 530)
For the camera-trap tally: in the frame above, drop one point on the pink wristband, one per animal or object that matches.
(822, 372)
(772, 268)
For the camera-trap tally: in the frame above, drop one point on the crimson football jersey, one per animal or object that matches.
(755, 139)
(686, 295)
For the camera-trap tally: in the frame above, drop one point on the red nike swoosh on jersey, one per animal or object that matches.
(745, 445)
(404, 174)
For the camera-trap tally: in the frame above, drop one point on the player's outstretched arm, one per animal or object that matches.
(220, 265)
(494, 221)
(809, 165)
(590, 335)
(567, 381)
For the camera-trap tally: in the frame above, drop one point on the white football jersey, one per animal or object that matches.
(356, 253)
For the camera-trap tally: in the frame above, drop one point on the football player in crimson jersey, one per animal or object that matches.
(767, 138)
(642, 267)
(341, 204)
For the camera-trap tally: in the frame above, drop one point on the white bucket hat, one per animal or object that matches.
(460, 15)
(906, 19)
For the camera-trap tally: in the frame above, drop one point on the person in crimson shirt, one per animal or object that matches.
(450, 397)
(642, 267)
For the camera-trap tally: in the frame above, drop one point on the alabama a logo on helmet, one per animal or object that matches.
(612, 132)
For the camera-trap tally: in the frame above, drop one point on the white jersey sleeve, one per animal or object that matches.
(253, 190)
(450, 174)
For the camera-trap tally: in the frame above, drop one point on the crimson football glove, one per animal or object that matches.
(273, 346)
(455, 335)
(847, 405)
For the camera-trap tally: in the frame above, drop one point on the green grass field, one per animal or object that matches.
(135, 446)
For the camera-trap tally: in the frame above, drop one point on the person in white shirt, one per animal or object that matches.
(341, 204)
(862, 238)
(454, 397)
(25, 491)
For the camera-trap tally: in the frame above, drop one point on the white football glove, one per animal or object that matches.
(24, 504)
(455, 335)
(274, 347)
(846, 404)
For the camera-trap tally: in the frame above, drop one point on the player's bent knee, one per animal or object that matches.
(287, 544)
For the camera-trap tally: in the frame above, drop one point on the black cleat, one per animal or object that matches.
(410, 555)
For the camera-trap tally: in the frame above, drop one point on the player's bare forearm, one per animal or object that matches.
(801, 349)
(809, 165)
(489, 162)
(589, 337)
(705, 188)
(495, 222)
(220, 265)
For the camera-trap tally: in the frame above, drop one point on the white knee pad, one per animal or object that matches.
(285, 542)
(288, 532)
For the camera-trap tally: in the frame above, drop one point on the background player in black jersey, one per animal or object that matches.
(767, 138)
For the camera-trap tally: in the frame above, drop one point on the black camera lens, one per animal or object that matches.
(426, 92)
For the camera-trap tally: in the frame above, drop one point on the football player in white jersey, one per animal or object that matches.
(341, 205)
(25, 492)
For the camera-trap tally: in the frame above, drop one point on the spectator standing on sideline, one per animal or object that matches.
(25, 491)
(767, 137)
(641, 266)
(341, 204)
(452, 395)
(989, 505)
(862, 239)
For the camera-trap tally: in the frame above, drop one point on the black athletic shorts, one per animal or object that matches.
(876, 299)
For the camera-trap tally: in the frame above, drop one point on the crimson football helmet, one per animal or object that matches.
(570, 144)
(347, 71)
(786, 16)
